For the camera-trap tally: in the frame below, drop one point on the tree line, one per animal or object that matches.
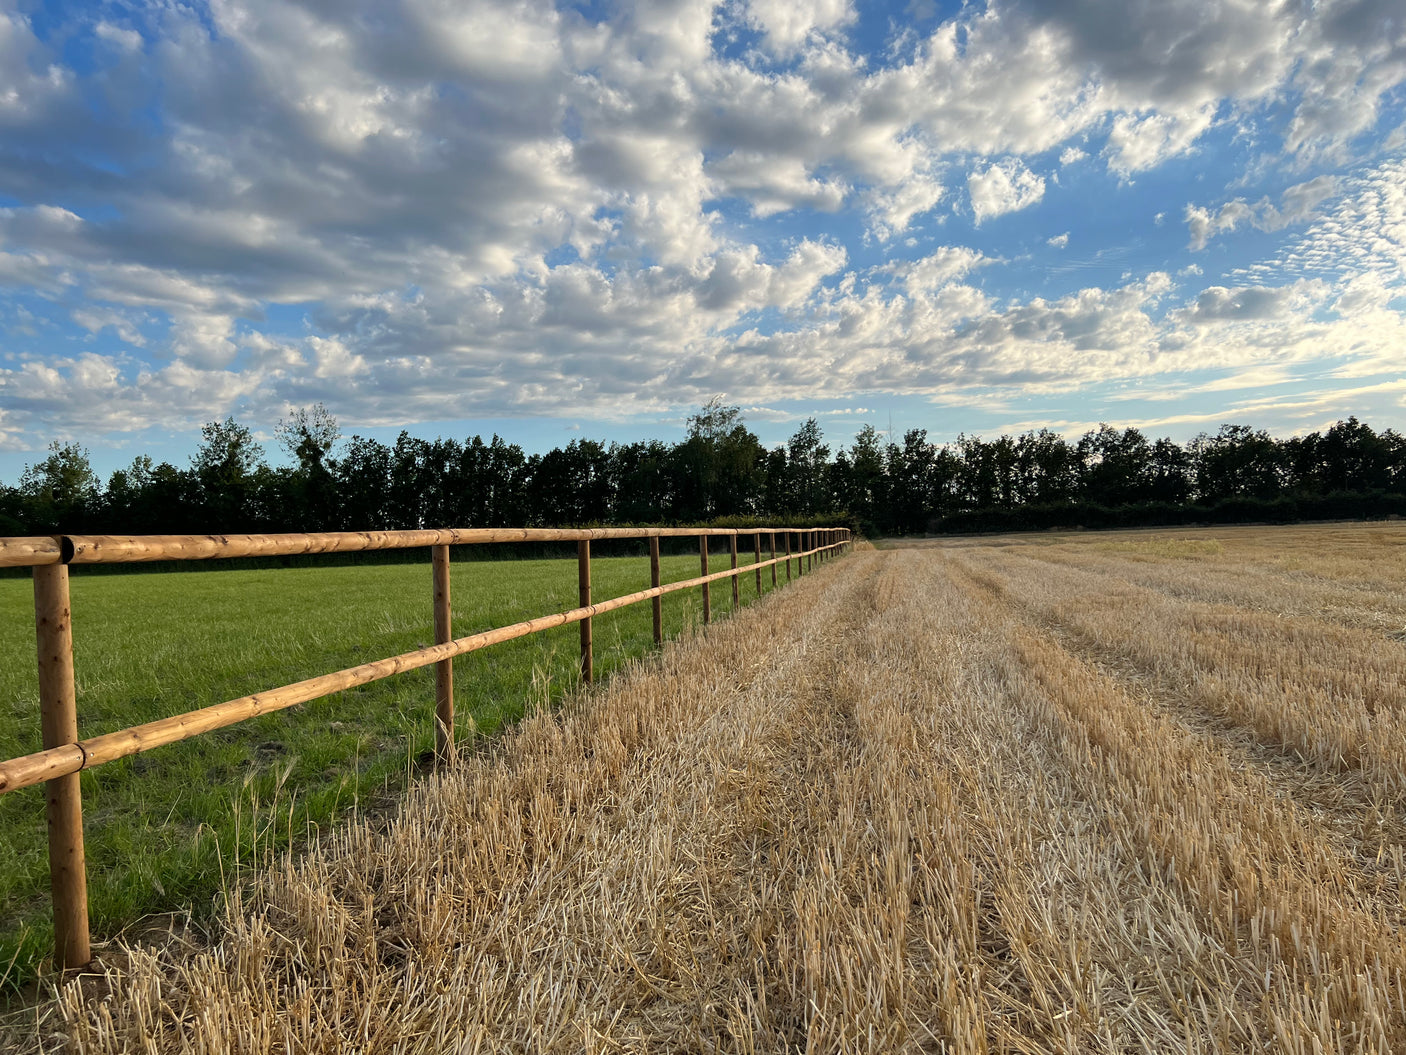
(719, 472)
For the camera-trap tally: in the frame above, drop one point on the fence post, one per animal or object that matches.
(732, 550)
(58, 719)
(773, 557)
(757, 559)
(583, 578)
(444, 669)
(654, 582)
(788, 556)
(703, 562)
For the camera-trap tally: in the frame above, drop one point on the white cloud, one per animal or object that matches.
(1143, 142)
(940, 268)
(1297, 205)
(1059, 241)
(128, 40)
(771, 186)
(1070, 155)
(894, 211)
(787, 24)
(1006, 186)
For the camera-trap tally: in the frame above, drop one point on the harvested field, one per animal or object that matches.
(1104, 793)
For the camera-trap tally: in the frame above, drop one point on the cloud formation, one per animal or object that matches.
(420, 211)
(1003, 187)
(1297, 205)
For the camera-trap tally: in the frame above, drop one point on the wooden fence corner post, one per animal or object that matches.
(583, 578)
(703, 562)
(773, 557)
(654, 584)
(788, 556)
(58, 719)
(444, 669)
(732, 549)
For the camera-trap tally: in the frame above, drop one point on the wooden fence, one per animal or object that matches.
(64, 755)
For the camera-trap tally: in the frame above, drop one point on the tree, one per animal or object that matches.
(363, 481)
(1354, 458)
(1237, 461)
(62, 490)
(1170, 472)
(309, 435)
(915, 493)
(570, 485)
(1048, 467)
(409, 483)
(643, 482)
(1116, 466)
(808, 460)
(226, 467)
(720, 464)
(978, 482)
(861, 483)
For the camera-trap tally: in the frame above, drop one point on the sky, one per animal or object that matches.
(586, 220)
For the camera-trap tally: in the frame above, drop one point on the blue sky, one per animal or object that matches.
(586, 220)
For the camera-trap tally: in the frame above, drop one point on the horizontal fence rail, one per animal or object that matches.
(64, 755)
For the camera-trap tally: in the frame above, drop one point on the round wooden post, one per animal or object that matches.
(444, 669)
(703, 563)
(732, 549)
(788, 556)
(58, 719)
(757, 559)
(583, 577)
(773, 557)
(654, 582)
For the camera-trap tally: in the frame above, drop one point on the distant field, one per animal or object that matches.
(1096, 793)
(160, 827)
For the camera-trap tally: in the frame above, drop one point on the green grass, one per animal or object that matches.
(164, 829)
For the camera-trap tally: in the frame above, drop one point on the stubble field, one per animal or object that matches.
(1138, 792)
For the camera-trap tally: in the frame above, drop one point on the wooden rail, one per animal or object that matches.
(64, 755)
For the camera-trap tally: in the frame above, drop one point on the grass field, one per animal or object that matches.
(1103, 793)
(163, 828)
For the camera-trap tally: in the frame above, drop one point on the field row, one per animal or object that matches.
(1106, 794)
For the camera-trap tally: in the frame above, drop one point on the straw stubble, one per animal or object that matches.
(920, 801)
